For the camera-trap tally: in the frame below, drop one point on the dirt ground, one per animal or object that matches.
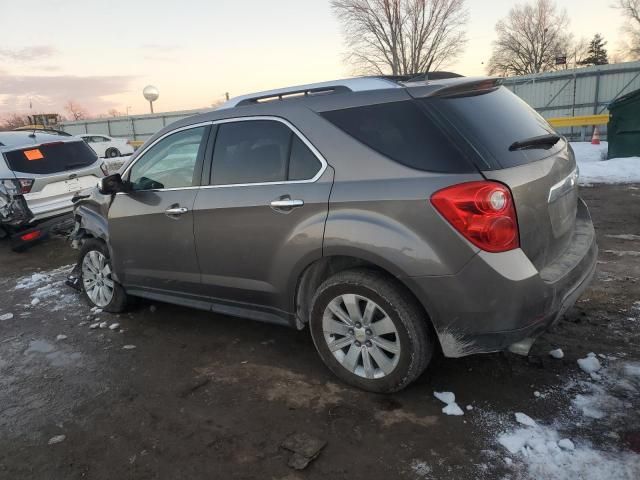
(208, 396)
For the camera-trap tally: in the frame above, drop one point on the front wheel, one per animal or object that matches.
(370, 332)
(98, 285)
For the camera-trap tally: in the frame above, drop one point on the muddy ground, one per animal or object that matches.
(208, 396)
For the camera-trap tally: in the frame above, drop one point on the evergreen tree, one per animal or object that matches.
(597, 52)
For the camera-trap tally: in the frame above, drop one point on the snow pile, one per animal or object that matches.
(535, 450)
(590, 364)
(547, 455)
(594, 168)
(6, 316)
(48, 289)
(449, 398)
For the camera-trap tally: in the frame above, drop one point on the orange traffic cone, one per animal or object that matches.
(595, 139)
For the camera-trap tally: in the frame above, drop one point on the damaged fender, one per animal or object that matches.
(14, 211)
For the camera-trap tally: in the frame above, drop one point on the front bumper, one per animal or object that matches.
(501, 299)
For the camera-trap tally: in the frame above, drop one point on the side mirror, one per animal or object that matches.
(111, 184)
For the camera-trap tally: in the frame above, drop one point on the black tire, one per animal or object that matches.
(119, 300)
(409, 320)
(113, 153)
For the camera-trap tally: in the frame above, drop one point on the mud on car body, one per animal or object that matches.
(39, 174)
(393, 217)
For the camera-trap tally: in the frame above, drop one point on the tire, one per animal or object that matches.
(405, 316)
(113, 153)
(117, 301)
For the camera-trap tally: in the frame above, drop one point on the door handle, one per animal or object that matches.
(176, 210)
(287, 203)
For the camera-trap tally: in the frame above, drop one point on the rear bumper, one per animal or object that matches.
(27, 235)
(499, 299)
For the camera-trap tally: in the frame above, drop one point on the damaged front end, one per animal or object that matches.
(14, 211)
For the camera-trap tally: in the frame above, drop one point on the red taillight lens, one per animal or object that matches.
(31, 236)
(25, 185)
(483, 212)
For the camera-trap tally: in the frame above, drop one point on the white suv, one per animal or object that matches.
(39, 175)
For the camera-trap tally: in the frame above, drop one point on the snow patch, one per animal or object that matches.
(525, 419)
(557, 353)
(590, 364)
(57, 439)
(6, 316)
(452, 408)
(547, 456)
(445, 397)
(594, 168)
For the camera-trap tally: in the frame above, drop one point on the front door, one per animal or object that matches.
(262, 217)
(151, 227)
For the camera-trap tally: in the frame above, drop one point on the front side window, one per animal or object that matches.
(260, 151)
(170, 163)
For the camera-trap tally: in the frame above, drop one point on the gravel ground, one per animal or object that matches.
(179, 393)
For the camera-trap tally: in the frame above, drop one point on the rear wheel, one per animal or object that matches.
(369, 331)
(113, 153)
(96, 274)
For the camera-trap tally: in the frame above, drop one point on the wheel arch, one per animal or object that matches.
(321, 269)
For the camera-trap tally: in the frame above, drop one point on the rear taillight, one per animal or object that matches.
(105, 170)
(17, 186)
(25, 184)
(483, 212)
(31, 236)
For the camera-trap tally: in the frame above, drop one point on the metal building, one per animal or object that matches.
(576, 92)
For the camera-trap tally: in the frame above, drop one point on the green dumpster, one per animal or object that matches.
(623, 131)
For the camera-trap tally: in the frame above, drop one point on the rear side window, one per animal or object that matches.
(492, 121)
(303, 164)
(403, 132)
(51, 158)
(260, 151)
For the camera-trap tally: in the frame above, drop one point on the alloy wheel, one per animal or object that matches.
(361, 336)
(96, 278)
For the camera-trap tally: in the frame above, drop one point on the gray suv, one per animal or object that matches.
(393, 218)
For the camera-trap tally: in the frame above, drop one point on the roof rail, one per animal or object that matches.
(336, 86)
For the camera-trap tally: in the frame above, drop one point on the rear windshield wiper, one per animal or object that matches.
(542, 141)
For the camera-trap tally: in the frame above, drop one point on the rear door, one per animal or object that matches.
(262, 217)
(509, 137)
(151, 227)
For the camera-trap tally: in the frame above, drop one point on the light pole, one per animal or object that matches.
(151, 93)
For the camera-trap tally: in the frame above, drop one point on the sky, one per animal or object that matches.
(102, 53)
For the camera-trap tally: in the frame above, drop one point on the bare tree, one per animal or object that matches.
(529, 39)
(13, 121)
(631, 10)
(113, 112)
(75, 110)
(401, 37)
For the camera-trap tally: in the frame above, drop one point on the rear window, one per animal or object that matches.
(51, 158)
(492, 121)
(403, 132)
